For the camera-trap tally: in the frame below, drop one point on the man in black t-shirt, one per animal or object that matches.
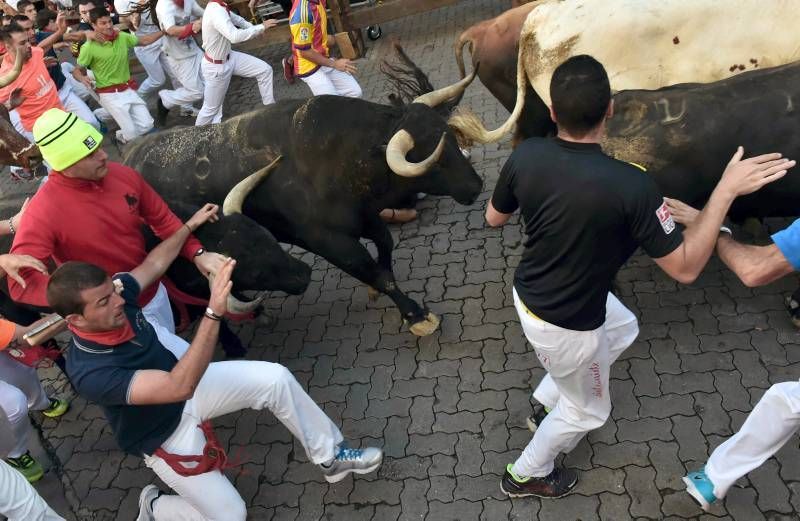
(584, 214)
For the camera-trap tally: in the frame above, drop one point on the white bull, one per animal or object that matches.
(648, 44)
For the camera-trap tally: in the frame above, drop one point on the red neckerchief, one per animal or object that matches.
(111, 338)
(223, 4)
(179, 3)
(112, 37)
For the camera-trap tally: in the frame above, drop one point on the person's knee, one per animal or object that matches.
(355, 91)
(14, 404)
(230, 507)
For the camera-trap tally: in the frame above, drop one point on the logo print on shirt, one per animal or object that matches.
(45, 86)
(665, 218)
(132, 201)
(304, 33)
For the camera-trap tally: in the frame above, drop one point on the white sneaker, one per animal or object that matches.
(347, 460)
(189, 111)
(149, 493)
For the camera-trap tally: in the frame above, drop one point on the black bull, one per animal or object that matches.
(333, 179)
(267, 267)
(685, 134)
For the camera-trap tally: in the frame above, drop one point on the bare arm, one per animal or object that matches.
(741, 177)
(79, 73)
(160, 258)
(152, 386)
(61, 23)
(754, 265)
(495, 218)
(342, 64)
(147, 39)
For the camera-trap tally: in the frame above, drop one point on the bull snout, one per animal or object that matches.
(470, 190)
(294, 278)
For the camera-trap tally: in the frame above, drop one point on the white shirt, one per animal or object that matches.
(221, 29)
(170, 15)
(146, 25)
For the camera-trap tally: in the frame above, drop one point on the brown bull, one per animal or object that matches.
(15, 149)
(495, 45)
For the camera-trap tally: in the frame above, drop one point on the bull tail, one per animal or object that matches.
(461, 41)
(470, 127)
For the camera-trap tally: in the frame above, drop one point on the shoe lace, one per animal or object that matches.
(348, 454)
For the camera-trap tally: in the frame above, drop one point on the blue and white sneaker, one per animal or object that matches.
(700, 488)
(347, 460)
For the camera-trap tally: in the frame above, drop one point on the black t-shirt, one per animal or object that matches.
(56, 74)
(584, 215)
(103, 374)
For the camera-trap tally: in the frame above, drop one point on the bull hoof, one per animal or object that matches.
(427, 326)
(372, 294)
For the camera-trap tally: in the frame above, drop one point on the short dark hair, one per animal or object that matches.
(44, 17)
(580, 93)
(9, 30)
(67, 282)
(84, 2)
(22, 4)
(98, 13)
(21, 18)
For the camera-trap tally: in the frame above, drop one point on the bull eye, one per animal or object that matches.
(202, 169)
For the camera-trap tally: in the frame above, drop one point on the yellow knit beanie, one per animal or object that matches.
(64, 139)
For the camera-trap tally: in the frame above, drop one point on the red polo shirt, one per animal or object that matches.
(92, 221)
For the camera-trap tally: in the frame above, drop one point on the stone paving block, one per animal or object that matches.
(687, 383)
(429, 444)
(375, 492)
(349, 512)
(740, 503)
(413, 500)
(441, 489)
(666, 406)
(598, 480)
(664, 458)
(494, 509)
(573, 506)
(644, 375)
(705, 362)
(459, 510)
(624, 401)
(619, 455)
(645, 499)
(644, 429)
(690, 440)
(469, 455)
(773, 495)
(715, 419)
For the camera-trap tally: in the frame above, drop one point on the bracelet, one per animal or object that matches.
(725, 229)
(11, 226)
(188, 228)
(213, 316)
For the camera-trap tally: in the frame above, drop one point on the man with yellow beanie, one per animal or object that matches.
(91, 210)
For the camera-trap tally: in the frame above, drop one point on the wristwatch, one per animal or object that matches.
(725, 229)
(199, 252)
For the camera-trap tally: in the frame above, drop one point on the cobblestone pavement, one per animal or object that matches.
(449, 409)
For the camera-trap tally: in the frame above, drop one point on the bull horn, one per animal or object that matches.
(12, 75)
(400, 144)
(239, 307)
(235, 198)
(438, 96)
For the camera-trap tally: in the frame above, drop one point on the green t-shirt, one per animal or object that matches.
(109, 60)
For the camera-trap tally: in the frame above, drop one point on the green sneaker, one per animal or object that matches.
(27, 466)
(57, 408)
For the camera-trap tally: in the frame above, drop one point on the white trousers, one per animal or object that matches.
(20, 391)
(190, 82)
(224, 388)
(575, 388)
(83, 91)
(159, 314)
(73, 103)
(129, 111)
(328, 80)
(19, 501)
(773, 421)
(155, 64)
(217, 77)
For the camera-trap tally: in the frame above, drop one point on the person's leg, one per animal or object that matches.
(319, 83)
(345, 84)
(217, 77)
(248, 66)
(205, 497)
(578, 363)
(140, 115)
(73, 103)
(19, 501)
(773, 421)
(14, 412)
(148, 56)
(621, 330)
(159, 314)
(191, 86)
(118, 106)
(26, 380)
(245, 384)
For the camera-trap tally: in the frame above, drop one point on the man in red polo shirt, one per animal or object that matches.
(91, 210)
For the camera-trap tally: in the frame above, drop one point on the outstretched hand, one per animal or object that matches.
(745, 176)
(681, 212)
(12, 264)
(221, 288)
(208, 213)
